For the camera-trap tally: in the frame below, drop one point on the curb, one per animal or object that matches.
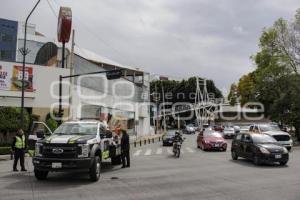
(146, 140)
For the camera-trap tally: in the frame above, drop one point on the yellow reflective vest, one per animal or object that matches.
(20, 142)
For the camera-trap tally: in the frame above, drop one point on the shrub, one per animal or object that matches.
(52, 124)
(5, 150)
(10, 119)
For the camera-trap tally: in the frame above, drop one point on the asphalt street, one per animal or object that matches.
(156, 174)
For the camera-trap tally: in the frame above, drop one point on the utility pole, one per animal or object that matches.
(163, 96)
(71, 71)
(25, 52)
(156, 124)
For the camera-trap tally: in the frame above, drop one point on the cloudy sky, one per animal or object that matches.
(177, 38)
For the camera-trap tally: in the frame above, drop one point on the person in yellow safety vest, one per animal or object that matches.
(19, 148)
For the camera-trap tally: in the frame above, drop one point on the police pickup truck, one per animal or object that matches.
(76, 146)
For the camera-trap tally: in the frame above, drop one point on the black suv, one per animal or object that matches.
(261, 148)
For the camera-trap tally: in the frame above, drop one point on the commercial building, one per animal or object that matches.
(123, 101)
(8, 39)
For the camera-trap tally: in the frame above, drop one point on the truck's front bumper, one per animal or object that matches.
(45, 164)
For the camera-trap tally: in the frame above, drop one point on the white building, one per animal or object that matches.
(123, 101)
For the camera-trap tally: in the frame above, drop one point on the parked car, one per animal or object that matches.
(211, 140)
(236, 129)
(168, 138)
(260, 148)
(244, 128)
(219, 128)
(189, 129)
(283, 138)
(229, 132)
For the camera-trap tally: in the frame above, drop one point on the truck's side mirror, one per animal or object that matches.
(40, 134)
(102, 135)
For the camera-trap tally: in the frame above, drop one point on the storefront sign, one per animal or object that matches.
(5, 76)
(11, 78)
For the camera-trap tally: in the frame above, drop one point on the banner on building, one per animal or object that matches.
(11, 78)
(5, 77)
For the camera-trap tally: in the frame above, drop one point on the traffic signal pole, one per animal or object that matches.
(110, 74)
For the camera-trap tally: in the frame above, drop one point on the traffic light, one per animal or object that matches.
(114, 74)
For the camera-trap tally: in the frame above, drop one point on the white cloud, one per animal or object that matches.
(209, 38)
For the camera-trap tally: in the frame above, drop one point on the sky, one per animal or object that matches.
(213, 39)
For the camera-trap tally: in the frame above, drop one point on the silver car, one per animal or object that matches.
(282, 137)
(228, 132)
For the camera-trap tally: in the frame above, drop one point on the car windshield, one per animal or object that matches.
(212, 134)
(265, 128)
(77, 129)
(244, 127)
(263, 139)
(170, 134)
(228, 127)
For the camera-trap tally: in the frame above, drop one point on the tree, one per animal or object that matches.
(10, 119)
(181, 90)
(246, 88)
(233, 94)
(276, 82)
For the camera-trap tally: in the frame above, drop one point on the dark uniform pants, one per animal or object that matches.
(126, 158)
(19, 154)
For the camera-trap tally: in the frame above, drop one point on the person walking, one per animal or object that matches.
(125, 149)
(19, 146)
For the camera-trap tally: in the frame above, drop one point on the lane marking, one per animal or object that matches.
(159, 151)
(169, 151)
(148, 152)
(189, 149)
(137, 153)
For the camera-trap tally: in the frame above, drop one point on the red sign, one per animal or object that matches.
(64, 24)
(16, 80)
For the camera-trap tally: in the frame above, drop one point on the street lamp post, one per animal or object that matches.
(23, 66)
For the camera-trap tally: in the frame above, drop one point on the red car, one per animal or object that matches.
(219, 128)
(211, 140)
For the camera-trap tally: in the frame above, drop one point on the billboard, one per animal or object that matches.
(11, 78)
(5, 76)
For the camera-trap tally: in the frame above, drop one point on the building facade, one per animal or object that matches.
(8, 39)
(123, 101)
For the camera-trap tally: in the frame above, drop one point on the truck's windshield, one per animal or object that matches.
(77, 129)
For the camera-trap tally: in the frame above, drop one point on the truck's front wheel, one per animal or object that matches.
(40, 175)
(95, 169)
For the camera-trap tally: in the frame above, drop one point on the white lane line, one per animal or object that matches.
(169, 151)
(148, 152)
(189, 150)
(137, 153)
(159, 151)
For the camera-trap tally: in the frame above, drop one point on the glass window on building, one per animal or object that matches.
(5, 55)
(4, 37)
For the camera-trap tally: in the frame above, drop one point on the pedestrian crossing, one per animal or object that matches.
(160, 151)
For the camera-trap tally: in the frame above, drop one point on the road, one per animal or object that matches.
(156, 174)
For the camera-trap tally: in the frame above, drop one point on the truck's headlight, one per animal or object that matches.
(85, 149)
(285, 150)
(264, 150)
(37, 149)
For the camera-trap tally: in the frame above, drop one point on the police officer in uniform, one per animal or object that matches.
(125, 147)
(19, 147)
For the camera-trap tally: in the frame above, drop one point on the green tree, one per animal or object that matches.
(276, 82)
(233, 94)
(10, 119)
(246, 88)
